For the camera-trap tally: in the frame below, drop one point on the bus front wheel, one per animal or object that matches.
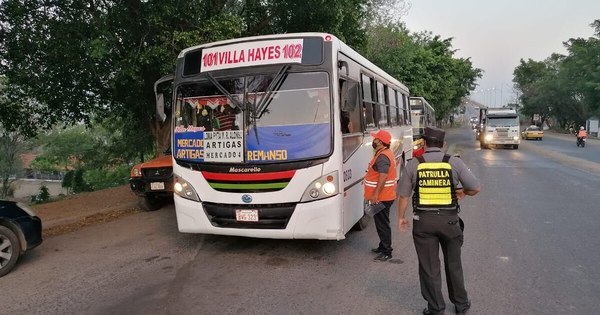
(362, 223)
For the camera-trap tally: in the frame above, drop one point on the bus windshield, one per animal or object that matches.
(272, 119)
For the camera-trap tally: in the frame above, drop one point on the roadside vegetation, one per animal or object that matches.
(564, 88)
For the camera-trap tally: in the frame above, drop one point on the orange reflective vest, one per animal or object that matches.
(388, 191)
(581, 134)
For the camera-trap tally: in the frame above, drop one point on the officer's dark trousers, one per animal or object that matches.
(382, 223)
(429, 232)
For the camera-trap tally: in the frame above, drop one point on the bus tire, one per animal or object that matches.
(362, 223)
(515, 146)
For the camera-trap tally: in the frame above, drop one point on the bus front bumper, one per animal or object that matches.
(320, 219)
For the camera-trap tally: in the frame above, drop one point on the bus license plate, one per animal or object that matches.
(246, 215)
(157, 186)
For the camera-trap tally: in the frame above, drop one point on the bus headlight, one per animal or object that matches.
(184, 189)
(489, 137)
(516, 138)
(324, 187)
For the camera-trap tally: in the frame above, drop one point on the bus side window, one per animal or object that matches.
(383, 112)
(351, 117)
(349, 109)
(406, 107)
(368, 102)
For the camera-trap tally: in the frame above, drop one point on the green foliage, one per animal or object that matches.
(100, 179)
(564, 87)
(43, 164)
(91, 147)
(11, 146)
(43, 195)
(74, 182)
(425, 63)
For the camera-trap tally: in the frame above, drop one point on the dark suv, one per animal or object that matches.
(20, 231)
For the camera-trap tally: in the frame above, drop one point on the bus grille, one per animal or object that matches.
(248, 183)
(270, 216)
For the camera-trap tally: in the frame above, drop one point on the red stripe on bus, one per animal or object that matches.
(248, 177)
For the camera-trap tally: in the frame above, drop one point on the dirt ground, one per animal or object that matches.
(77, 211)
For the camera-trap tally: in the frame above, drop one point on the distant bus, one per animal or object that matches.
(272, 134)
(422, 115)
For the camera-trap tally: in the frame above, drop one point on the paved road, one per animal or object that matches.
(531, 247)
(566, 144)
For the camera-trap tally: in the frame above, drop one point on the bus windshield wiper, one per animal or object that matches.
(275, 84)
(224, 91)
(259, 109)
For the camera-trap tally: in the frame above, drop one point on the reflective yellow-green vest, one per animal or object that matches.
(434, 189)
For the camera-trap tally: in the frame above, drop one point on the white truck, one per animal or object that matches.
(499, 127)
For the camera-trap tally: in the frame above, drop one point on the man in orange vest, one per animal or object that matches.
(380, 187)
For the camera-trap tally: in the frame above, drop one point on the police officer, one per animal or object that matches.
(380, 187)
(437, 181)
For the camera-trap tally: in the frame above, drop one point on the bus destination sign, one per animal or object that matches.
(252, 54)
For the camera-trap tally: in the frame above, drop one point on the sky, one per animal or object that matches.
(497, 34)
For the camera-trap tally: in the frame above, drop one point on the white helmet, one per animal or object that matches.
(581, 128)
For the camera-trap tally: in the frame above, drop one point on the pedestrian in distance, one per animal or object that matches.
(380, 187)
(437, 182)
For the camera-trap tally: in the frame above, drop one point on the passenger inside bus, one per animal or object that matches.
(205, 117)
(226, 116)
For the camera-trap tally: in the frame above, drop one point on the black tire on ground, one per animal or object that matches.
(150, 203)
(10, 250)
(362, 223)
(515, 146)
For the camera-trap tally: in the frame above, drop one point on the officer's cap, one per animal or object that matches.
(433, 133)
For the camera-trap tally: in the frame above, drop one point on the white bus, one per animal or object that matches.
(271, 135)
(422, 115)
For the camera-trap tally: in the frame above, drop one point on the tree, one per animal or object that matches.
(542, 91)
(425, 63)
(580, 73)
(564, 87)
(11, 145)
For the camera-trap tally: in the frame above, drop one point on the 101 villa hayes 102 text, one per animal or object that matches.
(292, 51)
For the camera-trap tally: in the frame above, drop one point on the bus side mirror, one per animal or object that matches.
(160, 97)
(342, 64)
(160, 107)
